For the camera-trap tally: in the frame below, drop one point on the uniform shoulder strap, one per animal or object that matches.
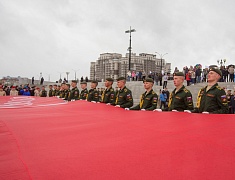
(218, 87)
(185, 90)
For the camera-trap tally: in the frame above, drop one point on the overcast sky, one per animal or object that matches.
(52, 36)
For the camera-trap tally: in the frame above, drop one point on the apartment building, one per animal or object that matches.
(114, 65)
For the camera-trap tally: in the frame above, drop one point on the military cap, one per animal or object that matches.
(68, 85)
(179, 74)
(121, 78)
(109, 79)
(148, 80)
(74, 81)
(83, 82)
(95, 82)
(215, 69)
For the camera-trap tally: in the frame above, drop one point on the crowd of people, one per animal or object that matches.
(196, 74)
(159, 78)
(211, 99)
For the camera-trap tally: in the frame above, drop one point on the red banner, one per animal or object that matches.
(45, 138)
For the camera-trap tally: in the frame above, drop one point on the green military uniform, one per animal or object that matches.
(74, 94)
(213, 101)
(93, 95)
(43, 93)
(124, 98)
(62, 93)
(100, 94)
(84, 94)
(108, 96)
(56, 92)
(180, 100)
(148, 101)
(66, 94)
(50, 93)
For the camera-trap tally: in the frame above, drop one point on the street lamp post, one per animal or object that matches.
(130, 31)
(75, 71)
(60, 80)
(221, 62)
(161, 56)
(67, 76)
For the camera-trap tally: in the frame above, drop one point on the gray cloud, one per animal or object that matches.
(61, 35)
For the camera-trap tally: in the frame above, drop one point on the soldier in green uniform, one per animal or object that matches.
(84, 91)
(74, 94)
(93, 94)
(101, 93)
(212, 98)
(67, 92)
(62, 90)
(54, 90)
(124, 96)
(116, 90)
(50, 93)
(148, 100)
(43, 92)
(108, 94)
(57, 92)
(180, 98)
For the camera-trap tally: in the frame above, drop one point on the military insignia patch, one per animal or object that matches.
(189, 99)
(223, 98)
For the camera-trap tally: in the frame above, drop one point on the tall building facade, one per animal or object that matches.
(114, 65)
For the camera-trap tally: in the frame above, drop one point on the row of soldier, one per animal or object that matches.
(211, 99)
